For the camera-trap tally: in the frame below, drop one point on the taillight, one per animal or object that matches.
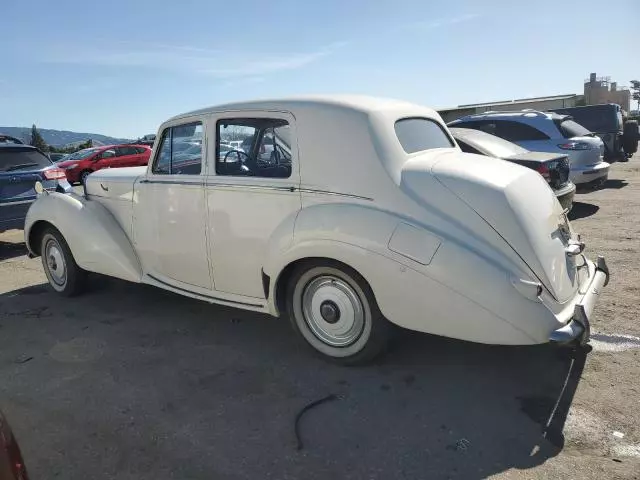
(575, 146)
(544, 171)
(54, 174)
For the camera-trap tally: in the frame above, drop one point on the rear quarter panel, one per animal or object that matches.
(448, 290)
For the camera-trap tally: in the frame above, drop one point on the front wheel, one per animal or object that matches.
(64, 275)
(333, 308)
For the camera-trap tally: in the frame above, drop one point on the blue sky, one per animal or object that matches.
(123, 66)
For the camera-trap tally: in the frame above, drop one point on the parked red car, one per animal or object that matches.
(80, 164)
(11, 462)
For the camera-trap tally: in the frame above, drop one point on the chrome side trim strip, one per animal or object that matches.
(327, 192)
(281, 188)
(170, 182)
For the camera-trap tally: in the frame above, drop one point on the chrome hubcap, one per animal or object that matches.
(55, 262)
(333, 311)
(329, 311)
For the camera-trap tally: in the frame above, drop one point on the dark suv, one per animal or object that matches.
(21, 166)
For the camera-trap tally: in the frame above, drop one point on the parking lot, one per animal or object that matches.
(132, 382)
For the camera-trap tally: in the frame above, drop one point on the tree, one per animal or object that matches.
(37, 140)
(635, 88)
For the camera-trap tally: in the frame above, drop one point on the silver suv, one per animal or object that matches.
(547, 132)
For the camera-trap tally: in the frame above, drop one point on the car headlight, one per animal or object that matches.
(72, 166)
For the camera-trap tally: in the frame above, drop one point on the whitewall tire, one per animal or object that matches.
(64, 275)
(334, 310)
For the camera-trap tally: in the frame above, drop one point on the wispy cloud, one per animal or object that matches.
(186, 59)
(443, 22)
(243, 81)
(272, 64)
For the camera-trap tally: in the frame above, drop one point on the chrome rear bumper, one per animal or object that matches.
(579, 327)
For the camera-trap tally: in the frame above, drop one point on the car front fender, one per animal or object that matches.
(97, 241)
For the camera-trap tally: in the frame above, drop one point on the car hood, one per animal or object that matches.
(518, 205)
(115, 183)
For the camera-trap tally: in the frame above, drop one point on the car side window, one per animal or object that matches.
(121, 151)
(180, 150)
(518, 132)
(264, 150)
(487, 126)
(110, 153)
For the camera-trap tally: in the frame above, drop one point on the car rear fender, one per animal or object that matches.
(97, 241)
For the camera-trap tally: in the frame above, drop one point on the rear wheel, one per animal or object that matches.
(64, 275)
(333, 308)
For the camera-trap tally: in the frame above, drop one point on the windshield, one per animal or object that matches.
(87, 152)
(15, 159)
(488, 144)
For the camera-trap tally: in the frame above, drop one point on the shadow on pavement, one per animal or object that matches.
(615, 183)
(11, 250)
(582, 210)
(131, 380)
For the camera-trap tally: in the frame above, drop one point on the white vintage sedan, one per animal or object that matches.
(366, 213)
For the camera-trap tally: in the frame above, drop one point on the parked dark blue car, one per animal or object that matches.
(21, 166)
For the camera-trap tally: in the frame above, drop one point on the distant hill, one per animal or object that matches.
(58, 138)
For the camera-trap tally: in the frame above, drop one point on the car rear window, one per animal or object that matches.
(16, 159)
(570, 129)
(418, 134)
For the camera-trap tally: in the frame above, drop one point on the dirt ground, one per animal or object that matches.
(131, 382)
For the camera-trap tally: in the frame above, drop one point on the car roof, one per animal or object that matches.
(523, 114)
(20, 146)
(361, 103)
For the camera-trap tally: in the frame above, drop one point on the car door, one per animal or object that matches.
(170, 212)
(249, 196)
(106, 159)
(141, 157)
